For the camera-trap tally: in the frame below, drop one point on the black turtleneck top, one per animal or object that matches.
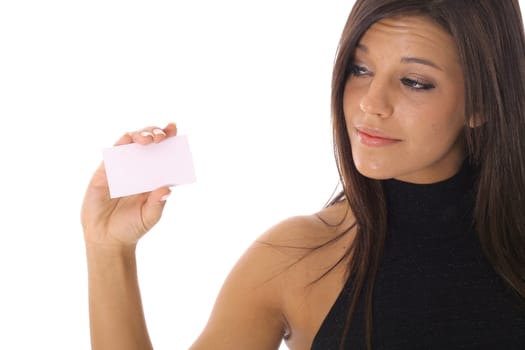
(434, 289)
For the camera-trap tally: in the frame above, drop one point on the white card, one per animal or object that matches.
(135, 168)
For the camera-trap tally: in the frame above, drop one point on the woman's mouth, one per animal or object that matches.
(374, 138)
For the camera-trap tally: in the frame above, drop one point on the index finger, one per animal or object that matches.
(124, 139)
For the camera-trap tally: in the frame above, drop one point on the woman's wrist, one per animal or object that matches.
(98, 251)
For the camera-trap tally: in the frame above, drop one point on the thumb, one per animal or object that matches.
(154, 205)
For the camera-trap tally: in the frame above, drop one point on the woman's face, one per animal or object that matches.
(404, 102)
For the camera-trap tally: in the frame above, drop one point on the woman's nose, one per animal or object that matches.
(377, 99)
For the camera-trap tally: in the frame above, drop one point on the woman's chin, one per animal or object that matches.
(373, 171)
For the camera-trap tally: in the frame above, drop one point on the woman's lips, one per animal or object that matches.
(374, 138)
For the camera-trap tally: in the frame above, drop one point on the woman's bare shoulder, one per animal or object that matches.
(302, 248)
(310, 230)
(256, 294)
(305, 258)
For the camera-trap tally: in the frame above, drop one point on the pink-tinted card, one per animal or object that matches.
(135, 168)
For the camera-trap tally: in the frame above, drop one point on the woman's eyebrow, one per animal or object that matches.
(418, 60)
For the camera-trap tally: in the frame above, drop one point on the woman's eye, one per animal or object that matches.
(416, 85)
(358, 70)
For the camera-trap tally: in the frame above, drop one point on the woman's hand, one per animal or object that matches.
(123, 221)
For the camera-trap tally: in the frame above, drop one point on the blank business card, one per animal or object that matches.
(135, 168)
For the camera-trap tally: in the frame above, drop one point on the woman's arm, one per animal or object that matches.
(247, 313)
(112, 229)
(115, 307)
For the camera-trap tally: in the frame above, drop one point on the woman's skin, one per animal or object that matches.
(266, 296)
(407, 87)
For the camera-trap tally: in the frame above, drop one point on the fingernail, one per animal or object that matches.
(146, 133)
(163, 198)
(159, 132)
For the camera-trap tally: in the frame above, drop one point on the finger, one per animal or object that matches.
(124, 139)
(158, 135)
(161, 134)
(160, 194)
(144, 136)
(171, 129)
(155, 134)
(152, 208)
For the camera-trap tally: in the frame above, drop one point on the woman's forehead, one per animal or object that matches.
(409, 36)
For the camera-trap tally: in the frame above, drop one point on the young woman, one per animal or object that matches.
(425, 246)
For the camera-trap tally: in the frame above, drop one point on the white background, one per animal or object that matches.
(248, 82)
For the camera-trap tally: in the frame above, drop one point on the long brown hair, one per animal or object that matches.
(491, 45)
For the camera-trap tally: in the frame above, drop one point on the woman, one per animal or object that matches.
(425, 246)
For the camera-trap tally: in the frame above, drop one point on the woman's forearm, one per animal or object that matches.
(115, 307)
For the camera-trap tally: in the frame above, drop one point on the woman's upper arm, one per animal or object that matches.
(248, 310)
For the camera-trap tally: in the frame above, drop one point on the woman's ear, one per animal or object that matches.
(476, 120)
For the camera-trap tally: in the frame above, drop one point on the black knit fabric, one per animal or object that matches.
(435, 289)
